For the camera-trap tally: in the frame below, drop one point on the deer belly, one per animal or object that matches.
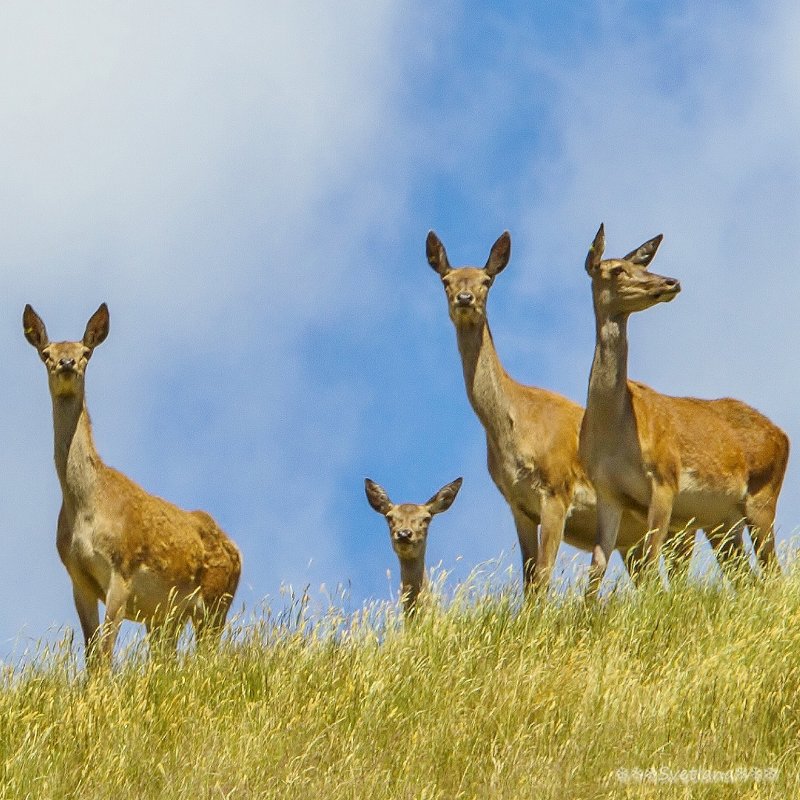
(706, 508)
(154, 597)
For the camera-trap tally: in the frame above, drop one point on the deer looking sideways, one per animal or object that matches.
(531, 433)
(714, 464)
(146, 559)
(408, 528)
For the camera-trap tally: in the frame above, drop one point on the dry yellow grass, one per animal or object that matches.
(478, 699)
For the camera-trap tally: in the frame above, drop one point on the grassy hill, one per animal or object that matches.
(691, 692)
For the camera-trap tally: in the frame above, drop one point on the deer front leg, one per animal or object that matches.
(528, 535)
(609, 515)
(116, 602)
(86, 606)
(659, 515)
(553, 519)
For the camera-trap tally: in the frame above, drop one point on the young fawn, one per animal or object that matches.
(408, 528)
(531, 433)
(144, 558)
(713, 464)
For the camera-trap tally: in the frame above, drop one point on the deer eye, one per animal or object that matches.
(617, 271)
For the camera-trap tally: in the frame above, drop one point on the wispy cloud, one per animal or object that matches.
(249, 188)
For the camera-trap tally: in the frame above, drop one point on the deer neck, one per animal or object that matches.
(484, 377)
(608, 380)
(412, 578)
(77, 460)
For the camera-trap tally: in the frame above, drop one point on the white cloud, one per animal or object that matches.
(249, 187)
(183, 164)
(705, 151)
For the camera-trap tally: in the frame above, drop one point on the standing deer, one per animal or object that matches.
(531, 433)
(714, 464)
(145, 558)
(408, 528)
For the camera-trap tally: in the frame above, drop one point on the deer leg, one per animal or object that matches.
(86, 606)
(553, 519)
(728, 543)
(609, 515)
(528, 535)
(116, 602)
(659, 514)
(679, 558)
(163, 636)
(761, 523)
(209, 625)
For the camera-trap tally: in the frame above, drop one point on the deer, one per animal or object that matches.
(669, 461)
(146, 559)
(531, 433)
(408, 530)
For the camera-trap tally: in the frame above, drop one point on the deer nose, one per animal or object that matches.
(404, 535)
(464, 298)
(66, 363)
(672, 282)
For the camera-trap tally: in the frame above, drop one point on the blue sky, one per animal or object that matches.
(249, 187)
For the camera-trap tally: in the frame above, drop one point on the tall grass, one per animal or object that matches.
(480, 697)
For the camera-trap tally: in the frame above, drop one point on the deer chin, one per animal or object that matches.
(406, 549)
(466, 315)
(666, 296)
(65, 383)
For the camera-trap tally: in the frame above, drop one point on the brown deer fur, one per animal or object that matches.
(408, 529)
(671, 461)
(531, 433)
(144, 558)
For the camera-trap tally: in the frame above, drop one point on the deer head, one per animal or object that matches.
(467, 288)
(408, 522)
(624, 285)
(66, 361)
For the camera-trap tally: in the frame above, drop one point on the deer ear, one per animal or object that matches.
(595, 254)
(97, 327)
(34, 329)
(499, 254)
(444, 498)
(644, 255)
(437, 255)
(377, 497)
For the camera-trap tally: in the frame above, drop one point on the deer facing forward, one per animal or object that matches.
(144, 558)
(408, 528)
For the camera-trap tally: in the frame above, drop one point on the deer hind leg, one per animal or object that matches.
(680, 549)
(760, 514)
(728, 543)
(528, 535)
(209, 621)
(163, 635)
